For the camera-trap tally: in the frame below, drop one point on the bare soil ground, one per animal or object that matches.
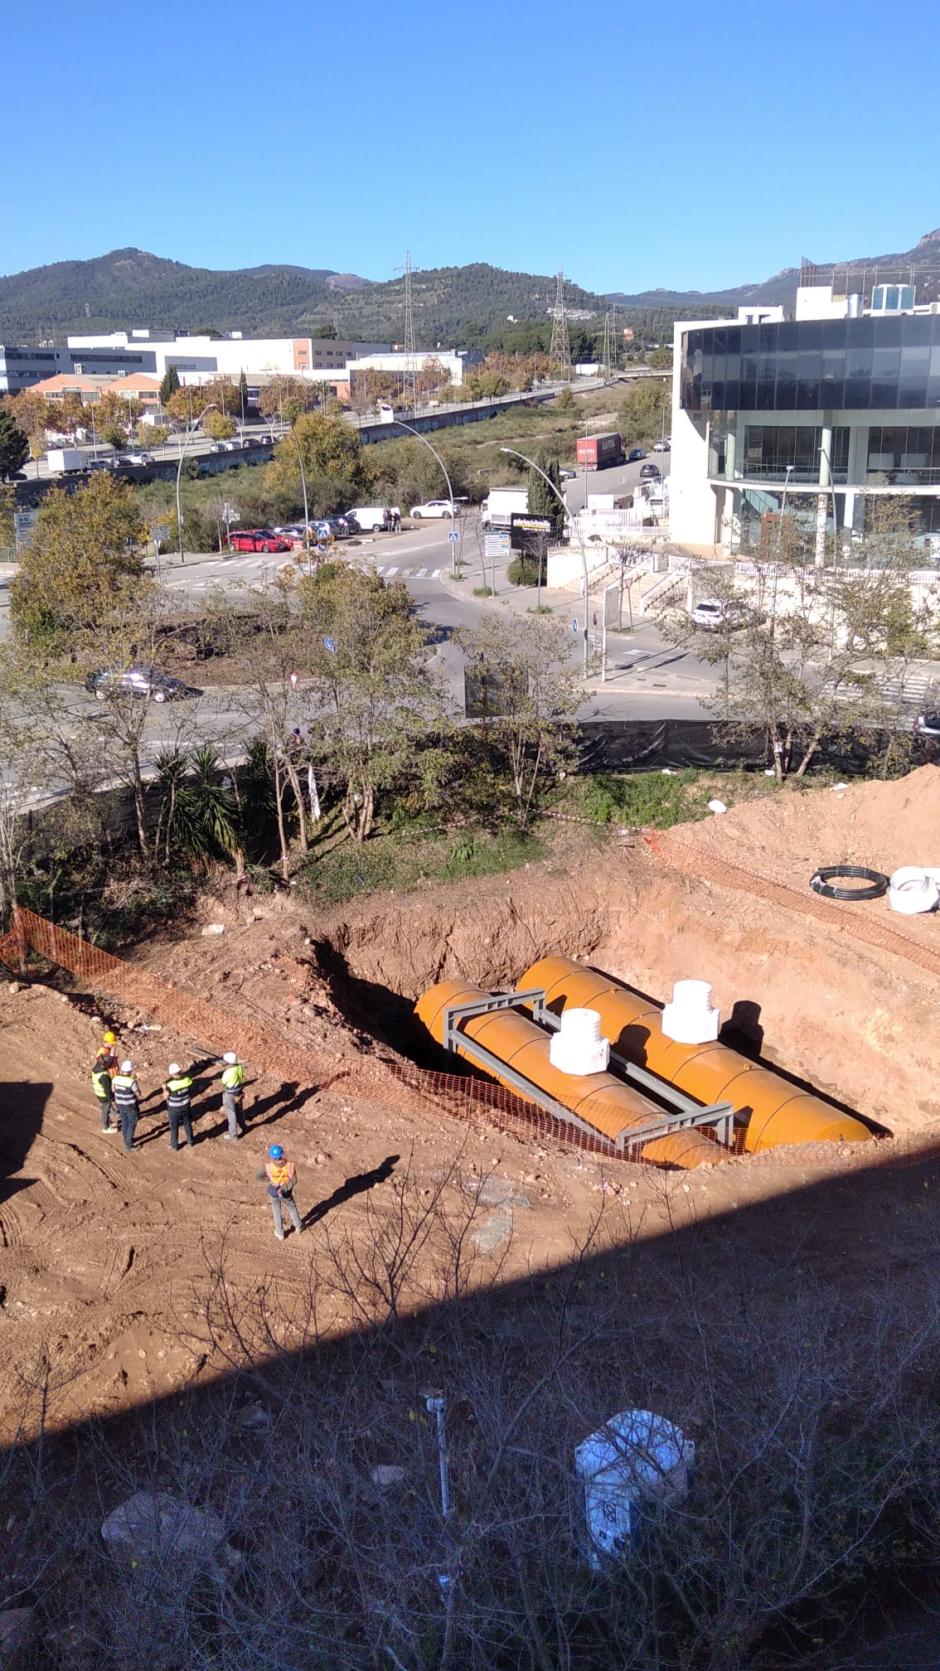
(106, 1257)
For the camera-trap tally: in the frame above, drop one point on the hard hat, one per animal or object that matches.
(109, 1038)
(230, 1056)
(127, 1067)
(174, 1068)
(276, 1152)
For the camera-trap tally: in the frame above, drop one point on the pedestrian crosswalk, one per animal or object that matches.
(386, 573)
(908, 692)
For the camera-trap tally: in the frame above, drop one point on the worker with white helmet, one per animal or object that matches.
(233, 1084)
(179, 1091)
(126, 1093)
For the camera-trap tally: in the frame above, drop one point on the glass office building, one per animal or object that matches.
(767, 408)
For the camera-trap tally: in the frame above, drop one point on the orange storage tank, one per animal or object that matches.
(777, 1112)
(599, 1099)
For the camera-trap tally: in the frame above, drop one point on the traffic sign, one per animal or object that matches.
(574, 624)
(330, 644)
(453, 536)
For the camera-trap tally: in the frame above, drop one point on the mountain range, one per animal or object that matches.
(130, 287)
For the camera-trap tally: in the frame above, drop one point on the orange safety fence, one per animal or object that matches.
(845, 918)
(215, 1029)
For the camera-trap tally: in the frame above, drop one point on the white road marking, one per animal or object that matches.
(389, 572)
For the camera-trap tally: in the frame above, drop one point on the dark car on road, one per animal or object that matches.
(144, 682)
(257, 539)
(635, 454)
(650, 473)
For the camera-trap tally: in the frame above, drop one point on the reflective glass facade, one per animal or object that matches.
(814, 365)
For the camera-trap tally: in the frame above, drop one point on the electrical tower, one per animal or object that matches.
(411, 355)
(560, 350)
(607, 351)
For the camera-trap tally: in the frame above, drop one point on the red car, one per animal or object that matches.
(257, 539)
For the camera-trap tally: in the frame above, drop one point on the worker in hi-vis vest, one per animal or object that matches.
(126, 1093)
(233, 1083)
(101, 1085)
(282, 1176)
(179, 1092)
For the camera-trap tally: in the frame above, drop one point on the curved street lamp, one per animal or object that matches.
(450, 492)
(212, 407)
(584, 568)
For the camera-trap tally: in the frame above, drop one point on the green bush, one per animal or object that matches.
(641, 798)
(524, 570)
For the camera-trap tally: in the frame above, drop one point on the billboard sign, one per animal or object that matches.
(530, 533)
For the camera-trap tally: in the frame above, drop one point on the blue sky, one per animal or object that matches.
(686, 145)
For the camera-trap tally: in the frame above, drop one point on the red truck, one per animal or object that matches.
(596, 452)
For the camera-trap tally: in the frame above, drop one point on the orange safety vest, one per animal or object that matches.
(281, 1173)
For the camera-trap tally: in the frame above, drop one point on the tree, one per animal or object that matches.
(375, 693)
(565, 400)
(243, 392)
(271, 655)
(85, 556)
(542, 501)
(14, 446)
(369, 387)
(219, 426)
(33, 414)
(151, 435)
(187, 403)
(198, 814)
(644, 412)
(528, 662)
(114, 416)
(809, 652)
(337, 469)
(169, 385)
(287, 398)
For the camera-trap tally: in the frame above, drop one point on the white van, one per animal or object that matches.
(370, 519)
(503, 502)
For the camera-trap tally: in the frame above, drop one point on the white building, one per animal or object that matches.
(825, 413)
(400, 364)
(198, 359)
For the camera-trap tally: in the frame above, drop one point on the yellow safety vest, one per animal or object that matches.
(234, 1077)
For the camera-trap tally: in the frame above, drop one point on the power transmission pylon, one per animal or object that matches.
(560, 350)
(411, 356)
(606, 352)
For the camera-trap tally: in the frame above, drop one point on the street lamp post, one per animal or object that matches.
(450, 492)
(584, 568)
(179, 471)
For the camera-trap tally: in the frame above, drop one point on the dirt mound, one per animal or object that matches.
(787, 837)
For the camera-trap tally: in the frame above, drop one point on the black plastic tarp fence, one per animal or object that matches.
(649, 745)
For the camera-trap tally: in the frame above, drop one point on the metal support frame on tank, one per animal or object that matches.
(681, 1114)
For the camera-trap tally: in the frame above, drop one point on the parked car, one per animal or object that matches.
(99, 464)
(338, 527)
(927, 724)
(712, 613)
(650, 473)
(662, 446)
(257, 539)
(139, 681)
(434, 507)
(635, 454)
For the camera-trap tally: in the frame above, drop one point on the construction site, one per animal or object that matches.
(650, 1127)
